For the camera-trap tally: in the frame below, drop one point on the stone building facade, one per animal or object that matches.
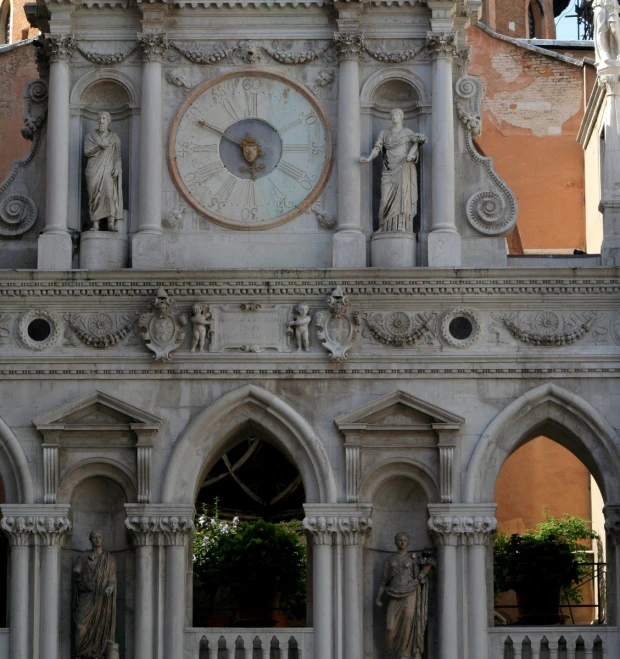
(432, 355)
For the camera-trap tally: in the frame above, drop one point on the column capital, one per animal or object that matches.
(441, 45)
(349, 45)
(470, 524)
(34, 523)
(59, 47)
(446, 530)
(479, 531)
(351, 521)
(152, 46)
(167, 524)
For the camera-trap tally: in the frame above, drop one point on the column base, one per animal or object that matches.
(349, 249)
(395, 249)
(104, 250)
(444, 249)
(148, 251)
(55, 251)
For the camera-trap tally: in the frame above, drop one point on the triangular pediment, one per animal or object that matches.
(97, 410)
(398, 411)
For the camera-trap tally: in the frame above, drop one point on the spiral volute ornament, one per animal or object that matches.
(466, 87)
(37, 90)
(488, 213)
(17, 214)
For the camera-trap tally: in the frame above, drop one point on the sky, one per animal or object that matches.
(567, 27)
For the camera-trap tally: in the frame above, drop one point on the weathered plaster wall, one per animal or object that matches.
(17, 67)
(532, 110)
(510, 17)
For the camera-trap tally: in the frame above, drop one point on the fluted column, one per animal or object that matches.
(354, 529)
(148, 247)
(349, 247)
(55, 250)
(19, 529)
(444, 241)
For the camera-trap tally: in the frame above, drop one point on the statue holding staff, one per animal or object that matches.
(94, 608)
(405, 583)
(102, 147)
(400, 148)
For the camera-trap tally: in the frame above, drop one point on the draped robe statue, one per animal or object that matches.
(94, 608)
(399, 147)
(102, 147)
(405, 583)
(606, 31)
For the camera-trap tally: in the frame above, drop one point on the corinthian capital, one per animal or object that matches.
(154, 524)
(19, 530)
(479, 531)
(51, 529)
(59, 47)
(446, 530)
(349, 45)
(152, 46)
(354, 530)
(441, 45)
(321, 529)
(40, 523)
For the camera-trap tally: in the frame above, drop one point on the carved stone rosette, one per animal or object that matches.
(441, 45)
(152, 46)
(338, 331)
(349, 45)
(162, 330)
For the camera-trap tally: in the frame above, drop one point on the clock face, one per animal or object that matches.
(250, 150)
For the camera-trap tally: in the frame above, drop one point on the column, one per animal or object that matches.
(321, 530)
(354, 530)
(444, 241)
(445, 530)
(349, 247)
(51, 527)
(19, 531)
(143, 530)
(55, 251)
(478, 533)
(148, 246)
(609, 76)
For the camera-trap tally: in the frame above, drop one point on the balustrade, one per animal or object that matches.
(254, 643)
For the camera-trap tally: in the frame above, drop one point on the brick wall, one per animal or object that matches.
(510, 17)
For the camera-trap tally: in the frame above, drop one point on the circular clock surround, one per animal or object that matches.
(267, 138)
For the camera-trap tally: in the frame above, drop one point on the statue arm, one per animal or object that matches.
(91, 148)
(376, 150)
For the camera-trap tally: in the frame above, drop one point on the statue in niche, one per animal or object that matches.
(400, 148)
(606, 31)
(299, 327)
(94, 604)
(102, 147)
(405, 582)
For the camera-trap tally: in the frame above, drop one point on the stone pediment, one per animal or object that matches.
(398, 411)
(97, 412)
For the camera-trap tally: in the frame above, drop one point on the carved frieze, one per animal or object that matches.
(162, 330)
(338, 331)
(100, 329)
(393, 57)
(197, 56)
(106, 59)
(398, 328)
(460, 328)
(250, 327)
(548, 328)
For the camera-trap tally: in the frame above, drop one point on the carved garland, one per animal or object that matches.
(96, 340)
(395, 329)
(395, 57)
(546, 339)
(105, 58)
(199, 57)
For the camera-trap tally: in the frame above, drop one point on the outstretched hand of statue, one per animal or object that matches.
(109, 590)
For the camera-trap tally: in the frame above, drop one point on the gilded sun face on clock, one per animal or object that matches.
(250, 150)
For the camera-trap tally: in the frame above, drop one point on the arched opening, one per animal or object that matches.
(249, 546)
(543, 487)
(5, 22)
(535, 20)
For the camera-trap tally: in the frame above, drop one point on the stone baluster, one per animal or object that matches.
(444, 240)
(51, 526)
(553, 650)
(55, 251)
(354, 530)
(478, 531)
(321, 530)
(19, 527)
(176, 529)
(148, 247)
(517, 649)
(446, 531)
(349, 247)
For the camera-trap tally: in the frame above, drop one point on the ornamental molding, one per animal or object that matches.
(337, 330)
(349, 45)
(43, 525)
(398, 328)
(59, 48)
(329, 524)
(23, 326)
(548, 328)
(106, 59)
(100, 330)
(460, 313)
(441, 45)
(197, 56)
(160, 524)
(162, 330)
(473, 525)
(394, 57)
(152, 46)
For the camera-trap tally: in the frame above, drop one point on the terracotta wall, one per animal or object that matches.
(511, 17)
(16, 69)
(531, 115)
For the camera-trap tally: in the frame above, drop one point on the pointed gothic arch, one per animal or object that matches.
(208, 435)
(558, 414)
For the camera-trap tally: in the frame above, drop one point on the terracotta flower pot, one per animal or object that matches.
(539, 605)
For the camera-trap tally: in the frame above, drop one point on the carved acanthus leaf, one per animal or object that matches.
(152, 46)
(441, 44)
(349, 45)
(59, 47)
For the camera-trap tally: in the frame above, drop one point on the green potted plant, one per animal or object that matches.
(259, 564)
(543, 566)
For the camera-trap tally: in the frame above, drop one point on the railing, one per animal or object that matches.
(249, 643)
(4, 642)
(570, 642)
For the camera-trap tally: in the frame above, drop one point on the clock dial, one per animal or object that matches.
(250, 150)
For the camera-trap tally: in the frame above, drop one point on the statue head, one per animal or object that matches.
(401, 540)
(103, 121)
(96, 538)
(301, 309)
(197, 309)
(397, 116)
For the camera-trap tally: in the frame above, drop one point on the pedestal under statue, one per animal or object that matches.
(394, 242)
(405, 583)
(94, 607)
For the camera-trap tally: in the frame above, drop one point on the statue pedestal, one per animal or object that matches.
(104, 250)
(395, 249)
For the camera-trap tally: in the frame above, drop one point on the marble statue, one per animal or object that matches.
(606, 31)
(299, 326)
(405, 583)
(400, 148)
(102, 147)
(94, 608)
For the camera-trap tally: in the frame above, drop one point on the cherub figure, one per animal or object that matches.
(299, 327)
(201, 322)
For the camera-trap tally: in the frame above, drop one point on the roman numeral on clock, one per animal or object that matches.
(295, 148)
(290, 126)
(290, 170)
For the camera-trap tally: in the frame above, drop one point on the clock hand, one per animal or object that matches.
(204, 124)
